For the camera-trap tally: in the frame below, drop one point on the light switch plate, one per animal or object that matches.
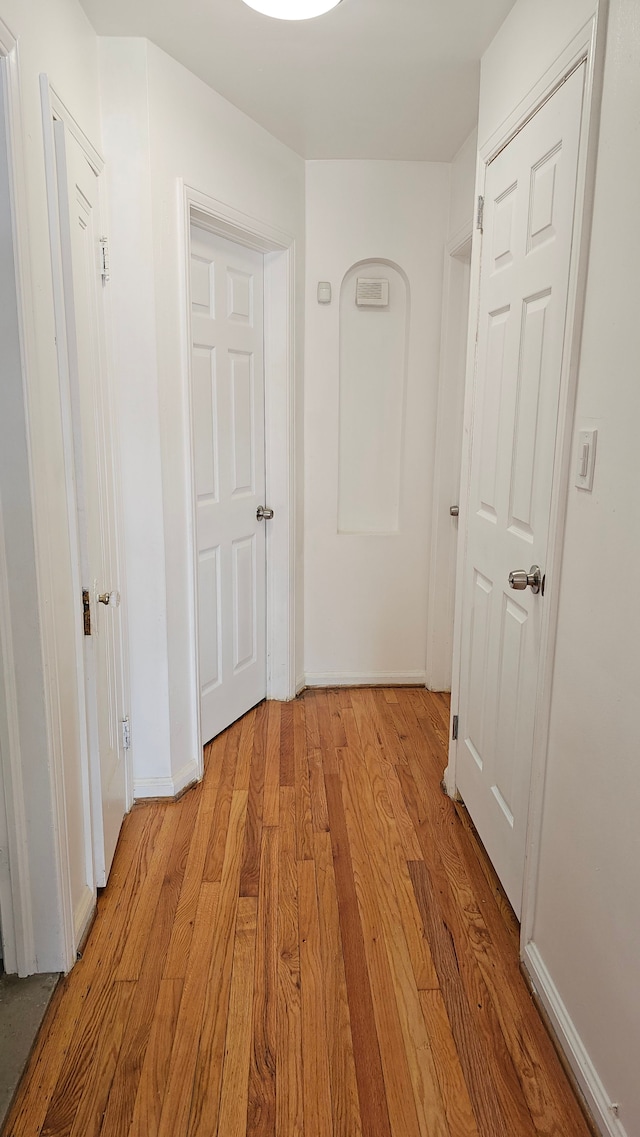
(585, 458)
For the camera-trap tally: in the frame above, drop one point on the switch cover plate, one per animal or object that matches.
(585, 458)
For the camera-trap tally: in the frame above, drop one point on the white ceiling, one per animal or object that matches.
(395, 79)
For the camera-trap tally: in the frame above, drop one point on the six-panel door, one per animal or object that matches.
(227, 412)
(526, 257)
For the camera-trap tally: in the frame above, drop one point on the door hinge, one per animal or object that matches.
(104, 260)
(454, 728)
(86, 612)
(126, 734)
(480, 214)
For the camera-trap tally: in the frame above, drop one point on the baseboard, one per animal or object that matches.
(365, 679)
(584, 1071)
(301, 683)
(167, 787)
(83, 914)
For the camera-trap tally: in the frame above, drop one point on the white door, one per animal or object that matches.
(526, 251)
(227, 411)
(95, 473)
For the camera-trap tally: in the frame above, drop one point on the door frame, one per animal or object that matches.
(586, 47)
(278, 247)
(23, 923)
(55, 110)
(456, 255)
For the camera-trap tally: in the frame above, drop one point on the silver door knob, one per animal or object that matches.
(264, 514)
(454, 510)
(519, 579)
(111, 599)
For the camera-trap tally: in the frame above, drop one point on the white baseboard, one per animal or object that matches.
(585, 1072)
(301, 683)
(365, 679)
(166, 787)
(83, 913)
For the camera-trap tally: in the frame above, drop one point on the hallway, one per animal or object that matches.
(308, 942)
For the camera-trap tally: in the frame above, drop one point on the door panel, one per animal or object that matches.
(227, 406)
(96, 482)
(528, 224)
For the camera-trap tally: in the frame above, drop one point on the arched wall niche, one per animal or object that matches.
(374, 343)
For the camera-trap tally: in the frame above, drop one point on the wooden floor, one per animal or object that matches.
(308, 943)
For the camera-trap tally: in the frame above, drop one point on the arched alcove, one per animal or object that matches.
(374, 340)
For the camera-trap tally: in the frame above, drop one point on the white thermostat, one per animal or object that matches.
(324, 292)
(372, 292)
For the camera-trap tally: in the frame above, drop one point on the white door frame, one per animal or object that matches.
(16, 903)
(588, 46)
(279, 378)
(438, 667)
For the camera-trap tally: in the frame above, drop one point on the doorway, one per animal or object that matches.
(448, 458)
(228, 444)
(257, 247)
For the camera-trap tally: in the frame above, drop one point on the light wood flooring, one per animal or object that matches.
(308, 943)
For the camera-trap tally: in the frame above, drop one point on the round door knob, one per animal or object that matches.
(111, 599)
(519, 579)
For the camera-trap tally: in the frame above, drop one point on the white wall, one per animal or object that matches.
(366, 595)
(463, 180)
(530, 39)
(163, 124)
(587, 922)
(54, 37)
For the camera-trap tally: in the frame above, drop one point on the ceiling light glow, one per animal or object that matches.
(292, 9)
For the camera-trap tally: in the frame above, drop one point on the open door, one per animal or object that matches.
(529, 208)
(96, 471)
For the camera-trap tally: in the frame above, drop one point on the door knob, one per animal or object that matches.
(520, 579)
(111, 599)
(264, 514)
(454, 510)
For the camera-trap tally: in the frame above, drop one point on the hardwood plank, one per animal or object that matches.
(235, 1075)
(403, 920)
(206, 1086)
(184, 921)
(124, 1088)
(374, 1110)
(410, 1077)
(338, 701)
(271, 804)
(312, 729)
(289, 1097)
(216, 846)
(261, 1109)
(457, 1104)
(250, 873)
(317, 792)
(287, 777)
(245, 751)
(304, 824)
(87, 1121)
(140, 925)
(315, 1057)
(155, 1070)
(176, 1105)
(497, 1104)
(344, 1088)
